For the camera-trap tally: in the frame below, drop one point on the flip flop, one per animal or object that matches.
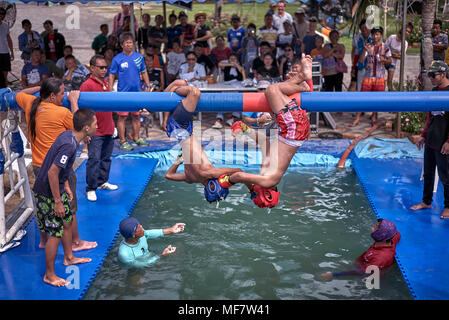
(9, 246)
(444, 217)
(19, 235)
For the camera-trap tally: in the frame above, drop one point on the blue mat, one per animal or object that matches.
(392, 187)
(23, 268)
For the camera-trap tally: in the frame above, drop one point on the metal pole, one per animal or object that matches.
(133, 29)
(402, 71)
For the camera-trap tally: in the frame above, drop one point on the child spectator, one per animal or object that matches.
(317, 53)
(202, 32)
(68, 51)
(308, 42)
(250, 46)
(284, 39)
(54, 71)
(34, 72)
(175, 59)
(258, 62)
(173, 31)
(187, 35)
(156, 76)
(203, 59)
(236, 35)
(28, 40)
(269, 70)
(220, 52)
(154, 50)
(268, 32)
(232, 69)
(101, 39)
(286, 64)
(143, 32)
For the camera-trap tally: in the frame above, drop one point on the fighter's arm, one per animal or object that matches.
(217, 172)
(250, 178)
(173, 175)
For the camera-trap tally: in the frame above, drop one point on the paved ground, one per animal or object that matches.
(92, 16)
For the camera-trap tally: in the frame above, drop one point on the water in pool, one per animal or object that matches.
(238, 251)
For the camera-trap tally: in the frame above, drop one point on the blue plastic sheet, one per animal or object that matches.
(377, 148)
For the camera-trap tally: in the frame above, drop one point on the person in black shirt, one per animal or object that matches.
(158, 34)
(258, 62)
(202, 32)
(269, 69)
(232, 69)
(203, 59)
(156, 75)
(142, 33)
(435, 138)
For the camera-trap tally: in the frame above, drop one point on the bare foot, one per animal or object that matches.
(445, 214)
(75, 260)
(41, 245)
(420, 206)
(55, 281)
(83, 245)
(306, 66)
(355, 123)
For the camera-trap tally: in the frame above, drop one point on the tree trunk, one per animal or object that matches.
(218, 7)
(428, 15)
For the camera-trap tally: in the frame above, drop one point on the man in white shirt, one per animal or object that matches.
(300, 28)
(6, 48)
(281, 16)
(192, 71)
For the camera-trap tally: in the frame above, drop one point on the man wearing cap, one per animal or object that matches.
(380, 254)
(435, 138)
(281, 16)
(133, 250)
(300, 28)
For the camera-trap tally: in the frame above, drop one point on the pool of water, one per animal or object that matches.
(238, 251)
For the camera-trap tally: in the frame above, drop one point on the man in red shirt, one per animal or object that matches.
(380, 254)
(101, 144)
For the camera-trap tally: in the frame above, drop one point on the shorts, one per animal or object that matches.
(179, 123)
(125, 114)
(45, 214)
(389, 67)
(293, 124)
(373, 84)
(72, 184)
(5, 62)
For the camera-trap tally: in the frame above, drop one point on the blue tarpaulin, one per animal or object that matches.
(141, 2)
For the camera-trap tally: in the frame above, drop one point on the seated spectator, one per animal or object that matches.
(108, 56)
(68, 51)
(284, 39)
(28, 40)
(113, 44)
(158, 34)
(258, 62)
(34, 72)
(220, 51)
(202, 32)
(174, 60)
(143, 32)
(75, 74)
(232, 69)
(236, 35)
(269, 33)
(250, 46)
(191, 70)
(187, 35)
(203, 59)
(154, 50)
(317, 53)
(54, 42)
(309, 39)
(55, 72)
(174, 31)
(286, 63)
(156, 76)
(101, 39)
(269, 70)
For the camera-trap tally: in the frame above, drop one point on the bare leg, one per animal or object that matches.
(51, 249)
(44, 239)
(390, 80)
(356, 120)
(121, 128)
(77, 243)
(69, 258)
(445, 214)
(135, 121)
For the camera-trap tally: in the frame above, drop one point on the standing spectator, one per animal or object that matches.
(155, 51)
(128, 66)
(203, 59)
(6, 48)
(174, 31)
(236, 35)
(53, 193)
(108, 56)
(28, 40)
(54, 71)
(439, 41)
(250, 47)
(377, 56)
(308, 42)
(112, 44)
(100, 147)
(300, 29)
(125, 27)
(269, 70)
(221, 51)
(268, 32)
(435, 140)
(143, 32)
(286, 64)
(187, 34)
(68, 51)
(317, 53)
(191, 70)
(258, 62)
(100, 39)
(158, 34)
(394, 43)
(156, 75)
(358, 43)
(119, 18)
(202, 32)
(74, 75)
(281, 16)
(54, 42)
(175, 59)
(273, 6)
(284, 39)
(34, 72)
(332, 53)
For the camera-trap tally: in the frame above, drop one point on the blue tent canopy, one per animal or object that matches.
(141, 2)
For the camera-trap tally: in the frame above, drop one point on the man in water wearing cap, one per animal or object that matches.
(293, 129)
(435, 138)
(380, 254)
(133, 250)
(197, 167)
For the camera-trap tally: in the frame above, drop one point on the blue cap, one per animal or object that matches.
(128, 227)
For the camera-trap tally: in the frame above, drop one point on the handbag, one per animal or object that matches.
(341, 66)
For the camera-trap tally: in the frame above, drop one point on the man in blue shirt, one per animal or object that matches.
(53, 195)
(34, 72)
(133, 250)
(128, 66)
(236, 35)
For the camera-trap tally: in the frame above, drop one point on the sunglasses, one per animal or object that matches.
(288, 50)
(101, 67)
(191, 59)
(433, 74)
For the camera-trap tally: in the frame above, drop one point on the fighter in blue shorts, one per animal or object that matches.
(197, 167)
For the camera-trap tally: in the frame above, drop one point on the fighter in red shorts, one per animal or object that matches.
(293, 129)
